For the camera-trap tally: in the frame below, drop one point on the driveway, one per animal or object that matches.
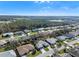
(42, 50)
(47, 53)
(49, 48)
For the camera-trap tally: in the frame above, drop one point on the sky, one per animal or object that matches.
(40, 8)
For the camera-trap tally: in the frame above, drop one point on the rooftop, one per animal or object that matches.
(62, 37)
(9, 53)
(22, 50)
(51, 40)
(41, 44)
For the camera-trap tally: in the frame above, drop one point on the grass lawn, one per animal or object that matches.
(61, 51)
(17, 37)
(60, 43)
(47, 56)
(2, 49)
(1, 37)
(46, 49)
(76, 44)
(69, 40)
(33, 33)
(6, 48)
(78, 36)
(33, 55)
(52, 46)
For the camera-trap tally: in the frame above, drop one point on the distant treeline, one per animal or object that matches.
(26, 24)
(14, 17)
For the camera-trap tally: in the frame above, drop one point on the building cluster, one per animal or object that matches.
(25, 42)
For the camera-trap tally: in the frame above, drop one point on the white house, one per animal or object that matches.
(9, 53)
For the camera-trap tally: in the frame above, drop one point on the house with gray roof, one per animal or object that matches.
(70, 35)
(75, 33)
(41, 44)
(74, 52)
(51, 41)
(63, 37)
(9, 53)
(20, 33)
(8, 34)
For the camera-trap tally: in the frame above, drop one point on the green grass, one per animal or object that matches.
(52, 46)
(33, 33)
(60, 43)
(1, 37)
(2, 49)
(5, 49)
(17, 37)
(69, 40)
(33, 55)
(46, 49)
(61, 51)
(78, 36)
(76, 44)
(47, 56)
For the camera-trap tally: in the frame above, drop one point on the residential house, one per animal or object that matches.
(20, 33)
(3, 43)
(25, 49)
(26, 31)
(41, 44)
(25, 38)
(75, 33)
(63, 37)
(69, 35)
(8, 34)
(66, 55)
(9, 53)
(51, 41)
(74, 52)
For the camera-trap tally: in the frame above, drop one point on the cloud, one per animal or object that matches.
(64, 8)
(41, 2)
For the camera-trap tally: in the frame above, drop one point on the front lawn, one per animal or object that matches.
(60, 43)
(33, 33)
(1, 37)
(46, 49)
(33, 55)
(76, 44)
(61, 51)
(69, 40)
(2, 49)
(5, 49)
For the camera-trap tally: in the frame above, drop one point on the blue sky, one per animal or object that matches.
(40, 8)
